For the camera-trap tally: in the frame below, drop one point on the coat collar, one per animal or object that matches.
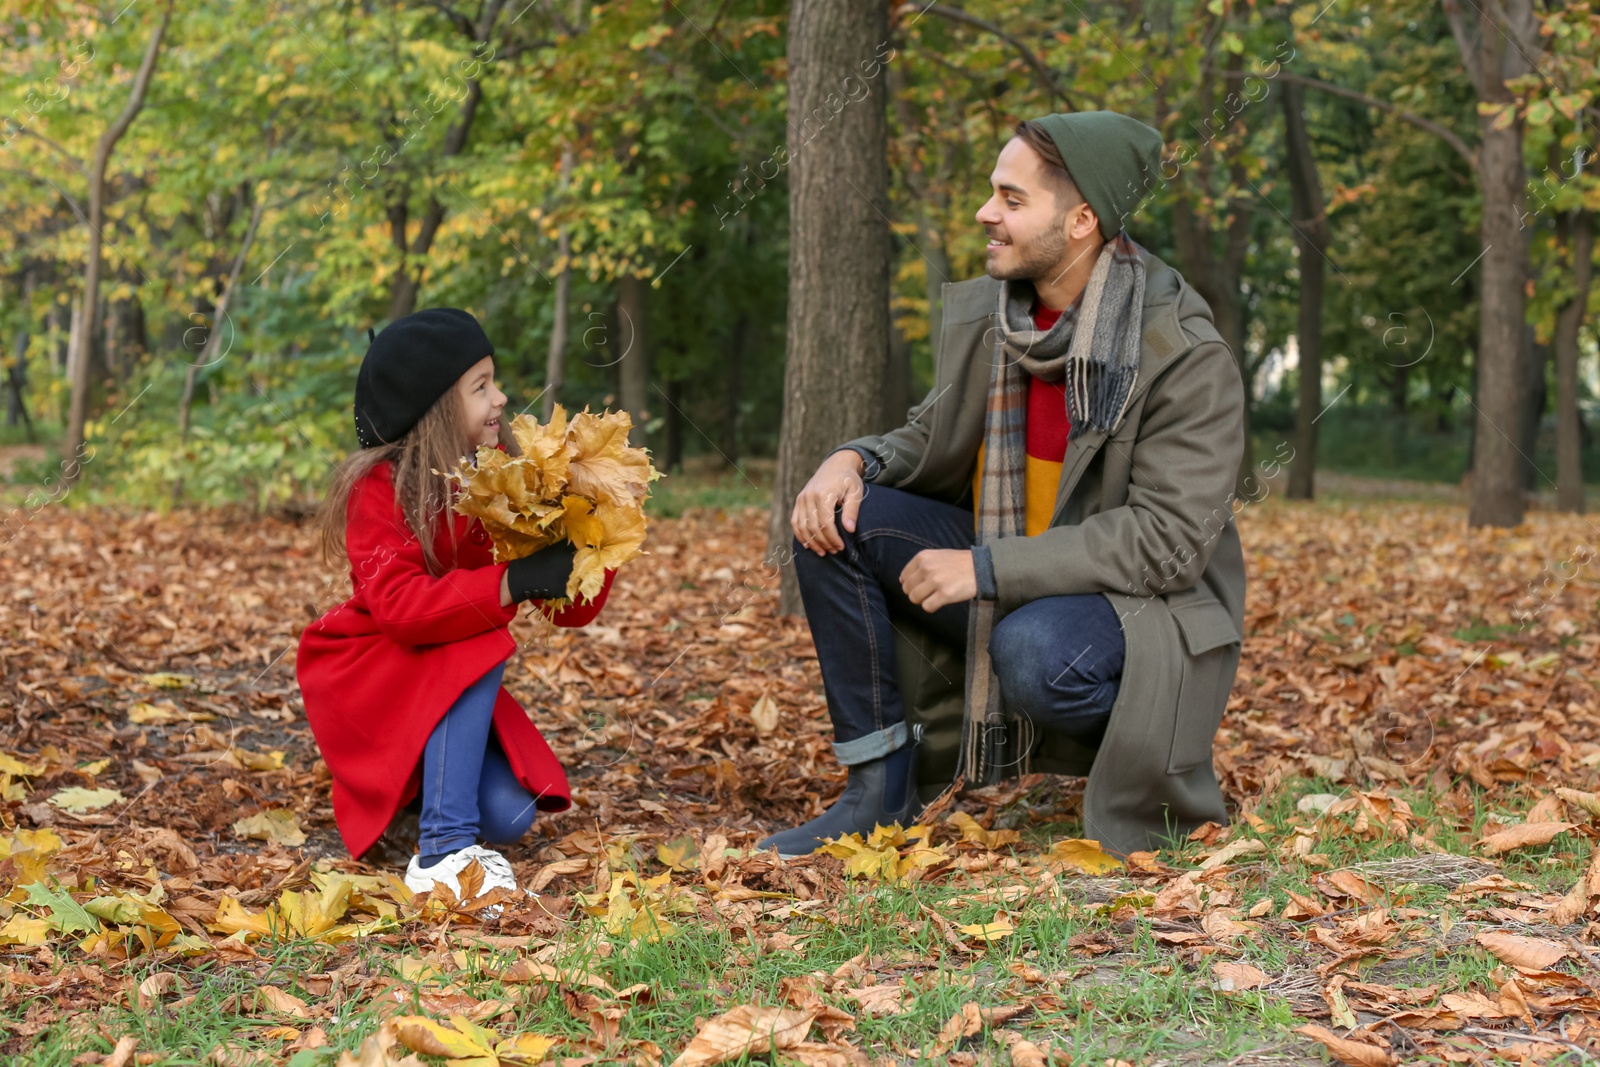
(1162, 342)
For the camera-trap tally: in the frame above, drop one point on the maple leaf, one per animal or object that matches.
(79, 800)
(30, 851)
(638, 907)
(1084, 854)
(604, 468)
(577, 480)
(889, 853)
(607, 535)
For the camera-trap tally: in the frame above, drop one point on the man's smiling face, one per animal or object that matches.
(1027, 218)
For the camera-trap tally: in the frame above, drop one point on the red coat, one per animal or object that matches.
(379, 671)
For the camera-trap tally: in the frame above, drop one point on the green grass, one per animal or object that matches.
(707, 483)
(1144, 1001)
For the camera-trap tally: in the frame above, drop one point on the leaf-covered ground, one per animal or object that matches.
(1410, 752)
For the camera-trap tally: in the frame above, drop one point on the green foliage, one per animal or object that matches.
(364, 133)
(268, 434)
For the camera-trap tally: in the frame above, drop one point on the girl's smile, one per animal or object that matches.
(481, 402)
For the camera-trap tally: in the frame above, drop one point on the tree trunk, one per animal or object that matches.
(58, 323)
(1577, 234)
(838, 337)
(633, 309)
(17, 371)
(672, 445)
(1498, 498)
(1311, 238)
(740, 350)
(1536, 397)
(78, 413)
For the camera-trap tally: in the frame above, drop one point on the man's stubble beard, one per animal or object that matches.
(1041, 260)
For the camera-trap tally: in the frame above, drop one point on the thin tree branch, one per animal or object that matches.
(460, 21)
(1465, 44)
(1444, 133)
(141, 86)
(955, 14)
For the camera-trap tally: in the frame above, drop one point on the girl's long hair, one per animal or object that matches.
(436, 443)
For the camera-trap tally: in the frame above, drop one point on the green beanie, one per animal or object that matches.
(1114, 161)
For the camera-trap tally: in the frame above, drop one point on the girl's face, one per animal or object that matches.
(481, 402)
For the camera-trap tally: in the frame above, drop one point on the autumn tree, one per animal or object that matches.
(837, 359)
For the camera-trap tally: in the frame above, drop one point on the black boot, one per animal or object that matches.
(863, 806)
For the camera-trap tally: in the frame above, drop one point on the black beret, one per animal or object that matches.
(409, 365)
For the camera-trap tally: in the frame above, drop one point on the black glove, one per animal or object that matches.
(543, 575)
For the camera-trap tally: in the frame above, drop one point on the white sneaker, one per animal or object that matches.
(496, 871)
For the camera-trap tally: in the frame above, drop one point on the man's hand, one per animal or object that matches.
(936, 577)
(837, 481)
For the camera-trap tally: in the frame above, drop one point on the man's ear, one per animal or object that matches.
(1085, 223)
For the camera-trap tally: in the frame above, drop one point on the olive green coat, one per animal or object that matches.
(1145, 517)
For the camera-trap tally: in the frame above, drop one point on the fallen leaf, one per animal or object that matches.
(122, 1053)
(1524, 953)
(167, 680)
(1346, 1051)
(1244, 846)
(990, 931)
(764, 713)
(11, 765)
(1084, 855)
(972, 833)
(79, 800)
(1025, 1053)
(1589, 802)
(746, 1030)
(1231, 975)
(679, 854)
(283, 1002)
(277, 825)
(144, 714)
(877, 1000)
(1523, 836)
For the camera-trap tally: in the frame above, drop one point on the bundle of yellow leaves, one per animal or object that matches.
(577, 480)
(889, 853)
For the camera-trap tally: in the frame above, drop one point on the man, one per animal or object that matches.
(1060, 504)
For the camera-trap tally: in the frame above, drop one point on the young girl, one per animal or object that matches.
(402, 681)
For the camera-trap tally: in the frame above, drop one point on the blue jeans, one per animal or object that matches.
(1058, 659)
(468, 789)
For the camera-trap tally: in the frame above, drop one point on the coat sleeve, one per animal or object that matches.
(899, 452)
(410, 605)
(1184, 462)
(576, 615)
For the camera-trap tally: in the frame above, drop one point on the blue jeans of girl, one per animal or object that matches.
(1058, 659)
(468, 790)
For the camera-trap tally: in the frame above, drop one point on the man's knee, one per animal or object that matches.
(1049, 660)
(1024, 656)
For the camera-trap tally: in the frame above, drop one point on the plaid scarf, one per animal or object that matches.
(1095, 347)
